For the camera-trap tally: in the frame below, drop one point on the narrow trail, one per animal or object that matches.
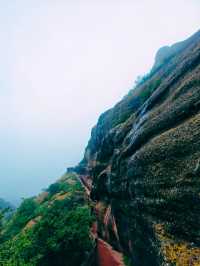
(106, 255)
(86, 184)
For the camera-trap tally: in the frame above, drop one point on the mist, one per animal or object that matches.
(63, 63)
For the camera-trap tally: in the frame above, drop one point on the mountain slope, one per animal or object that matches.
(52, 229)
(143, 160)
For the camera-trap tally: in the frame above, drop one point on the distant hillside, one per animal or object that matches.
(5, 204)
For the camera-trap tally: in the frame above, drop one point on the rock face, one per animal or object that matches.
(143, 163)
(165, 53)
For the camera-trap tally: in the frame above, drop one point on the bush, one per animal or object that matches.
(24, 213)
(60, 237)
(147, 91)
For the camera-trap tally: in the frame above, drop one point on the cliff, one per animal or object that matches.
(143, 161)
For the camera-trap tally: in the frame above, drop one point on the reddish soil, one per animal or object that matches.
(107, 256)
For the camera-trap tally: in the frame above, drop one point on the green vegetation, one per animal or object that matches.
(6, 211)
(127, 261)
(147, 91)
(1, 219)
(52, 233)
(121, 119)
(120, 115)
(141, 79)
(57, 187)
(25, 213)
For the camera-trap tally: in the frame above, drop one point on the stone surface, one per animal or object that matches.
(143, 160)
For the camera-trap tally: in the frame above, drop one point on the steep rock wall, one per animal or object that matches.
(143, 163)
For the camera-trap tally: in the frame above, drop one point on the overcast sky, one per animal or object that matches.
(63, 62)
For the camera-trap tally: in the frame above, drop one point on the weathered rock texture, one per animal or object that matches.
(143, 160)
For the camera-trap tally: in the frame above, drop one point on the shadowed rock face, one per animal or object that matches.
(144, 161)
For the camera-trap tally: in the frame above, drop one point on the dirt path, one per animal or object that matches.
(107, 256)
(85, 184)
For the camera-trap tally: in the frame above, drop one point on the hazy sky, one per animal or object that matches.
(63, 62)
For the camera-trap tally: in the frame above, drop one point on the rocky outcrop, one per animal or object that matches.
(165, 53)
(143, 165)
